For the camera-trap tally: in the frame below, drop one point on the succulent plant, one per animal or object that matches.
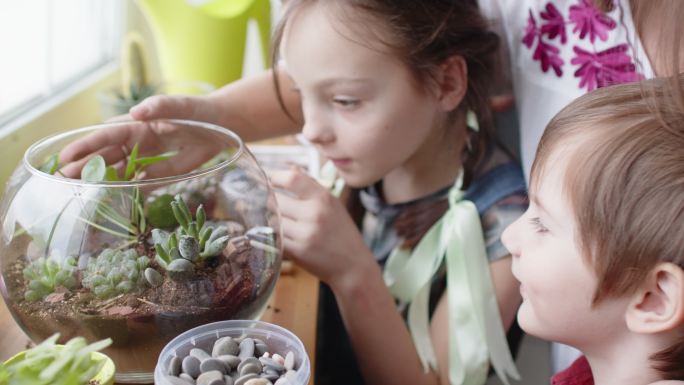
(46, 274)
(115, 272)
(49, 363)
(191, 243)
(135, 85)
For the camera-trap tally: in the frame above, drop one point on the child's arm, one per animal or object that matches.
(248, 106)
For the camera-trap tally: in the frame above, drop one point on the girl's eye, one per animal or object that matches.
(538, 226)
(346, 103)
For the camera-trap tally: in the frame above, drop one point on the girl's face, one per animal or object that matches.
(556, 282)
(362, 108)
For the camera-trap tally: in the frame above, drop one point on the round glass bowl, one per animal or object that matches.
(191, 236)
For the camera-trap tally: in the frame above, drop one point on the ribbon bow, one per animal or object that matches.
(476, 333)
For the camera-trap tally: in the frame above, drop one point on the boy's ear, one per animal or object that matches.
(452, 82)
(658, 306)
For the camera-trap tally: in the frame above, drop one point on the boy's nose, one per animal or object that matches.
(510, 239)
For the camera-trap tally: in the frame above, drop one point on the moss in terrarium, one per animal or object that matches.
(44, 275)
(115, 272)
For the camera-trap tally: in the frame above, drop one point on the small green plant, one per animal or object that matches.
(115, 272)
(49, 363)
(193, 241)
(46, 274)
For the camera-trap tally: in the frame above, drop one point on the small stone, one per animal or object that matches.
(211, 364)
(289, 360)
(225, 346)
(278, 358)
(291, 375)
(191, 366)
(153, 277)
(247, 361)
(260, 348)
(230, 361)
(173, 380)
(282, 381)
(210, 377)
(270, 376)
(242, 380)
(258, 381)
(228, 379)
(261, 234)
(174, 368)
(187, 378)
(199, 353)
(250, 368)
(246, 348)
(271, 363)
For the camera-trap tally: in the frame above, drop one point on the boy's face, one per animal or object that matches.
(361, 107)
(556, 282)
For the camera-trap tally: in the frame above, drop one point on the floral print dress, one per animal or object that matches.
(559, 50)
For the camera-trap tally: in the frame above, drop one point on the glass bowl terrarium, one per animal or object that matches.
(180, 230)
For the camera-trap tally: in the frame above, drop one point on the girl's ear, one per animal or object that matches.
(658, 306)
(452, 82)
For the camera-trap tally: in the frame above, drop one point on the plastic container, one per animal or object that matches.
(278, 339)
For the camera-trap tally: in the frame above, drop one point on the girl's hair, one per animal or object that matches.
(423, 34)
(625, 182)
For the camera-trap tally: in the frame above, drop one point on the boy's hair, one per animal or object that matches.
(625, 182)
(423, 34)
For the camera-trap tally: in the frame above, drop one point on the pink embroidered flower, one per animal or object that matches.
(549, 56)
(603, 68)
(554, 24)
(590, 20)
(530, 31)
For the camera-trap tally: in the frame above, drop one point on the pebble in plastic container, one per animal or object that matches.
(278, 339)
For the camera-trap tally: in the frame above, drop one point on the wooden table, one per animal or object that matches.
(293, 305)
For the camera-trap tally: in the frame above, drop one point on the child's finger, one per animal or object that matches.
(92, 143)
(294, 181)
(112, 154)
(293, 207)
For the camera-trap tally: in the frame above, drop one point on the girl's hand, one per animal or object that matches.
(317, 229)
(115, 144)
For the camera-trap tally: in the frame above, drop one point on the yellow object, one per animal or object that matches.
(205, 42)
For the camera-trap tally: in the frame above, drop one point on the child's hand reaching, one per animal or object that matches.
(317, 229)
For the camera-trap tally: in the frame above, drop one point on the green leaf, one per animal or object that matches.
(130, 167)
(111, 174)
(94, 170)
(51, 165)
(148, 160)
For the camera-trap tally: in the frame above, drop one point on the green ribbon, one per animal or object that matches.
(476, 333)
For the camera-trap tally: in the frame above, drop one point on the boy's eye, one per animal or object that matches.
(346, 102)
(538, 226)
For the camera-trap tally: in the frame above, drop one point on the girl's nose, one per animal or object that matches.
(317, 127)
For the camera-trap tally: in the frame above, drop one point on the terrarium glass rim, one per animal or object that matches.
(144, 182)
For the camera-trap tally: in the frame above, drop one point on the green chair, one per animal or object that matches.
(205, 42)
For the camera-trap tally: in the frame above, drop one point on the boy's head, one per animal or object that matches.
(600, 252)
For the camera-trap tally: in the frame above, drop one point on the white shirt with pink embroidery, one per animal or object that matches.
(560, 50)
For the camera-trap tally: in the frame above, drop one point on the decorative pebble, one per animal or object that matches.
(199, 353)
(211, 364)
(242, 380)
(210, 377)
(230, 361)
(173, 380)
(228, 379)
(258, 381)
(282, 381)
(174, 366)
(225, 346)
(248, 360)
(279, 359)
(289, 360)
(246, 348)
(270, 376)
(260, 347)
(250, 368)
(271, 363)
(187, 378)
(191, 366)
